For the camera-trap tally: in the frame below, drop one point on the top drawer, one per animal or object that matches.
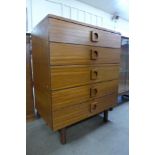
(67, 32)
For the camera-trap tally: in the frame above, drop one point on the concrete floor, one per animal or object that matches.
(90, 137)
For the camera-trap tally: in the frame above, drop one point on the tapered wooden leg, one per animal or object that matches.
(63, 136)
(110, 109)
(37, 115)
(105, 119)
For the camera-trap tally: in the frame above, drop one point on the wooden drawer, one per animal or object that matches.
(67, 97)
(70, 54)
(71, 76)
(63, 31)
(75, 113)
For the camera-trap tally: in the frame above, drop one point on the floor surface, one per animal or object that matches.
(90, 137)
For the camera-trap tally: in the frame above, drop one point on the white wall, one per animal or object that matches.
(38, 9)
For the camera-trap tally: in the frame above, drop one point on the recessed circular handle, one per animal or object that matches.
(94, 36)
(93, 92)
(94, 54)
(94, 74)
(94, 106)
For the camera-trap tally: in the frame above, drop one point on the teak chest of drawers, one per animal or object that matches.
(76, 71)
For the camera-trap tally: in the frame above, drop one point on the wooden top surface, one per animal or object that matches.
(79, 23)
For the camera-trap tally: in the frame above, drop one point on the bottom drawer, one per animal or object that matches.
(75, 113)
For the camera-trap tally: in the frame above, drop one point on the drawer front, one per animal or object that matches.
(70, 54)
(75, 113)
(67, 97)
(71, 76)
(67, 32)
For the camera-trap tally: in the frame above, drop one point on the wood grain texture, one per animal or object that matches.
(71, 76)
(76, 70)
(75, 113)
(69, 54)
(62, 31)
(68, 97)
(41, 71)
(29, 82)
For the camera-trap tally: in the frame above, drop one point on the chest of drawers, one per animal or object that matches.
(75, 69)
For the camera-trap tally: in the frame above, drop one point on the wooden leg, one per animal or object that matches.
(63, 135)
(105, 119)
(110, 109)
(37, 115)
